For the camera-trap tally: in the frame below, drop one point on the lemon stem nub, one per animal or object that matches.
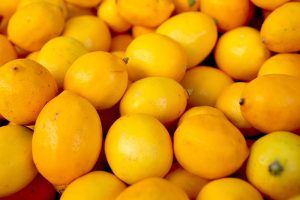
(275, 168)
(125, 60)
(242, 101)
(192, 2)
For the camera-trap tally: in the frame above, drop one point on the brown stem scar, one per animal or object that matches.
(242, 101)
(125, 60)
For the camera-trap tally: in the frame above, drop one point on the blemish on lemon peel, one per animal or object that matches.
(125, 60)
(275, 168)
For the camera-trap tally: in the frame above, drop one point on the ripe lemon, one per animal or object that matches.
(33, 56)
(74, 11)
(8, 7)
(32, 26)
(188, 182)
(25, 88)
(160, 97)
(84, 3)
(59, 3)
(240, 53)
(138, 146)
(17, 167)
(148, 13)
(195, 31)
(141, 30)
(186, 5)
(228, 189)
(274, 166)
(67, 138)
(272, 103)
(200, 110)
(228, 103)
(228, 14)
(286, 63)
(88, 29)
(280, 30)
(98, 76)
(153, 189)
(7, 51)
(269, 5)
(209, 146)
(109, 13)
(155, 55)
(58, 54)
(94, 185)
(204, 85)
(120, 42)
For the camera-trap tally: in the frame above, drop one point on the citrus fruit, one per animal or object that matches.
(204, 85)
(85, 74)
(58, 54)
(195, 142)
(274, 166)
(17, 167)
(120, 42)
(94, 185)
(132, 146)
(160, 97)
(155, 55)
(7, 51)
(195, 31)
(25, 88)
(65, 148)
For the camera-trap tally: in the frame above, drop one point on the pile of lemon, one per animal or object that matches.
(149, 99)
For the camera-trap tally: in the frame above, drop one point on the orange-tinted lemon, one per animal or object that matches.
(7, 51)
(204, 85)
(120, 42)
(209, 146)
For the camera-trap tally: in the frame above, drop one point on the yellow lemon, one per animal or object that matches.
(209, 146)
(141, 30)
(280, 30)
(204, 85)
(228, 189)
(188, 182)
(59, 3)
(153, 189)
(186, 5)
(148, 13)
(25, 88)
(67, 138)
(155, 55)
(240, 53)
(32, 26)
(138, 146)
(33, 56)
(84, 3)
(228, 103)
(269, 5)
(120, 42)
(160, 97)
(74, 11)
(286, 63)
(109, 13)
(195, 31)
(94, 185)
(98, 76)
(274, 166)
(7, 51)
(58, 54)
(16, 164)
(8, 7)
(272, 103)
(200, 110)
(90, 30)
(228, 14)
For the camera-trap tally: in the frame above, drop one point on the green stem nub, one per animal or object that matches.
(242, 101)
(125, 60)
(275, 168)
(191, 2)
